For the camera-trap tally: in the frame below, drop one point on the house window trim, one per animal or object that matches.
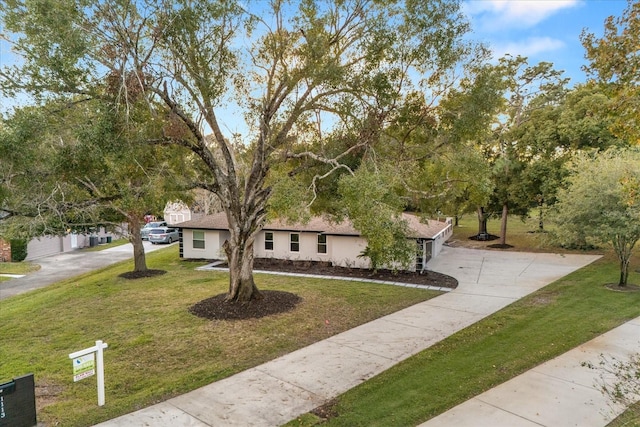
(291, 243)
(322, 244)
(267, 241)
(194, 240)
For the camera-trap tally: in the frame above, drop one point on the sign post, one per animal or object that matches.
(87, 363)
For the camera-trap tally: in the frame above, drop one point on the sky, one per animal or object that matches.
(541, 30)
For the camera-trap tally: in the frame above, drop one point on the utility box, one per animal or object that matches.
(18, 402)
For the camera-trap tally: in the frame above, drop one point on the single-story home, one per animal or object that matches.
(317, 240)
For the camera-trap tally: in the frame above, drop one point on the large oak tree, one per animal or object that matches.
(244, 88)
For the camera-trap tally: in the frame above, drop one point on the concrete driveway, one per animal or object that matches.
(62, 266)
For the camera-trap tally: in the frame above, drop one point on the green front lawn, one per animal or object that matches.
(24, 267)
(157, 349)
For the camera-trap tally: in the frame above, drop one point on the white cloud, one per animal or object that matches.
(498, 15)
(529, 47)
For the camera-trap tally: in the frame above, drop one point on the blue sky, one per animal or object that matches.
(541, 30)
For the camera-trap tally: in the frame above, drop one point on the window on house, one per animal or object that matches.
(322, 244)
(294, 242)
(198, 239)
(268, 241)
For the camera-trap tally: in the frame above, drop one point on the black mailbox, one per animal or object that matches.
(18, 402)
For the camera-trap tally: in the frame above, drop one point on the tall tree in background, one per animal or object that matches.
(552, 132)
(615, 63)
(93, 169)
(26, 187)
(526, 89)
(296, 73)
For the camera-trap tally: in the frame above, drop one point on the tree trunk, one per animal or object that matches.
(503, 225)
(623, 249)
(482, 222)
(239, 251)
(139, 258)
(540, 214)
(624, 272)
(456, 221)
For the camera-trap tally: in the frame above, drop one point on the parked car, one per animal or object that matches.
(144, 231)
(163, 235)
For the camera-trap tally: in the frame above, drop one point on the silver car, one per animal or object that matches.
(144, 231)
(163, 235)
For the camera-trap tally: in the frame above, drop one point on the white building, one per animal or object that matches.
(317, 240)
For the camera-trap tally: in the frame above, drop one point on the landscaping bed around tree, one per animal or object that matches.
(425, 278)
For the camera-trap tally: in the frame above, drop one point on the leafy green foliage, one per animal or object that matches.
(319, 84)
(18, 250)
(615, 63)
(600, 204)
(372, 205)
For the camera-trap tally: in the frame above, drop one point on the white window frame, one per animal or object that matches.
(194, 240)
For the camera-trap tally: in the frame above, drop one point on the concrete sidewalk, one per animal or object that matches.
(560, 392)
(277, 392)
(65, 265)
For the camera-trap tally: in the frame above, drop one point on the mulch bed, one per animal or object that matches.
(272, 302)
(627, 288)
(426, 278)
(141, 274)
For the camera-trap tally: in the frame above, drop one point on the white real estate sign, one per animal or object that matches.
(88, 362)
(84, 367)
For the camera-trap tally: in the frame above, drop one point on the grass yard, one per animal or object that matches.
(157, 349)
(24, 267)
(522, 235)
(16, 268)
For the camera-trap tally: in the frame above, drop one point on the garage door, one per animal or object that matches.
(44, 246)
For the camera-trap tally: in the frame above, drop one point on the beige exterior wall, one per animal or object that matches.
(442, 237)
(345, 250)
(341, 250)
(213, 241)
(282, 248)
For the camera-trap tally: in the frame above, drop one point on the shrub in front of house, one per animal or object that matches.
(18, 250)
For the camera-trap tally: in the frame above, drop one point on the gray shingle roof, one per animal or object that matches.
(317, 224)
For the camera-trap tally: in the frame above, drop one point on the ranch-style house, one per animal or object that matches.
(317, 240)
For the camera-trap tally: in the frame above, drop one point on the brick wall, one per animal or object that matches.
(5, 251)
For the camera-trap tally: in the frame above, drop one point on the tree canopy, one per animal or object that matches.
(615, 63)
(311, 82)
(601, 203)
